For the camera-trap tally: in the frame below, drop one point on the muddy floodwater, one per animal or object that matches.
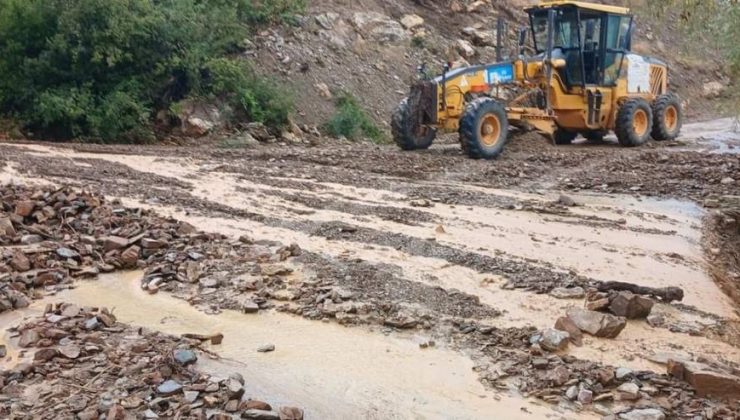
(332, 371)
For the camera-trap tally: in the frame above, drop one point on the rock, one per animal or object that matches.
(567, 325)
(70, 351)
(596, 323)
(114, 242)
(24, 208)
(656, 320)
(250, 307)
(464, 48)
(67, 253)
(327, 20)
(567, 201)
(92, 324)
(412, 21)
(572, 393)
(477, 6)
(623, 373)
(148, 243)
(631, 306)
(554, 340)
(208, 282)
(290, 413)
(169, 387)
(6, 227)
(712, 89)
(20, 262)
(275, 270)
(196, 127)
(149, 414)
(558, 376)
(266, 348)
(235, 388)
(324, 91)
(28, 338)
(628, 391)
(191, 396)
(379, 27)
(480, 38)
(3, 351)
(184, 356)
(29, 239)
(401, 321)
(256, 405)
(77, 403)
(45, 354)
(597, 304)
(130, 256)
(255, 414)
(70, 311)
(568, 292)
(707, 381)
(585, 396)
(643, 414)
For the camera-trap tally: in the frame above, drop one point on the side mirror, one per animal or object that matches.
(522, 39)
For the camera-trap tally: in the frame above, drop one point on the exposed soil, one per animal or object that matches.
(471, 255)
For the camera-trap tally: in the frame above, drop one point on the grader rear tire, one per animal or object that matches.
(407, 134)
(667, 117)
(484, 128)
(634, 122)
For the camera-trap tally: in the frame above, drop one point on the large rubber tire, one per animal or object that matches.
(562, 136)
(667, 117)
(634, 122)
(405, 134)
(484, 128)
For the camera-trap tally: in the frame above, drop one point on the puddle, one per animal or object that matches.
(332, 371)
(720, 136)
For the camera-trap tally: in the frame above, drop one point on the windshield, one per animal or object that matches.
(566, 29)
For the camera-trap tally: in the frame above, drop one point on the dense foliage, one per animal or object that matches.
(101, 68)
(351, 121)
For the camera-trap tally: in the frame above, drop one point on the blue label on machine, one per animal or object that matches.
(500, 73)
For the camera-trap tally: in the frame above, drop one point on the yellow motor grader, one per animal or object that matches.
(582, 79)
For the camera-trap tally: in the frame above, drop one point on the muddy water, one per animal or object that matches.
(331, 371)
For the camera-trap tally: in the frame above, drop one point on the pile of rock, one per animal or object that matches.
(86, 365)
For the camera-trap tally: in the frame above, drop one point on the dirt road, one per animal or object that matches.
(449, 246)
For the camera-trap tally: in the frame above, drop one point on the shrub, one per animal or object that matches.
(351, 121)
(101, 68)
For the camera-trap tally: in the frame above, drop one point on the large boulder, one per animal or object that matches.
(574, 333)
(379, 27)
(630, 305)
(707, 382)
(596, 323)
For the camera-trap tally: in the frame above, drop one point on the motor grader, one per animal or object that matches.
(581, 79)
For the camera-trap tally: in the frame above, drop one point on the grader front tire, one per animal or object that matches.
(484, 128)
(634, 122)
(667, 117)
(407, 133)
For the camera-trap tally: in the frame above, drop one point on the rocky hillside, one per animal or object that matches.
(371, 49)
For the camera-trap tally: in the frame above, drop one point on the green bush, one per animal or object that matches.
(102, 68)
(351, 121)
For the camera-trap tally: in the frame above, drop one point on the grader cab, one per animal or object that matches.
(581, 79)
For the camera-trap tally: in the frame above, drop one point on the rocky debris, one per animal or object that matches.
(412, 21)
(552, 339)
(706, 380)
(666, 294)
(379, 27)
(629, 305)
(568, 292)
(266, 348)
(574, 333)
(628, 391)
(465, 48)
(117, 372)
(712, 89)
(642, 414)
(596, 323)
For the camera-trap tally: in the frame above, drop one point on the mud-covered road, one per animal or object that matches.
(434, 246)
